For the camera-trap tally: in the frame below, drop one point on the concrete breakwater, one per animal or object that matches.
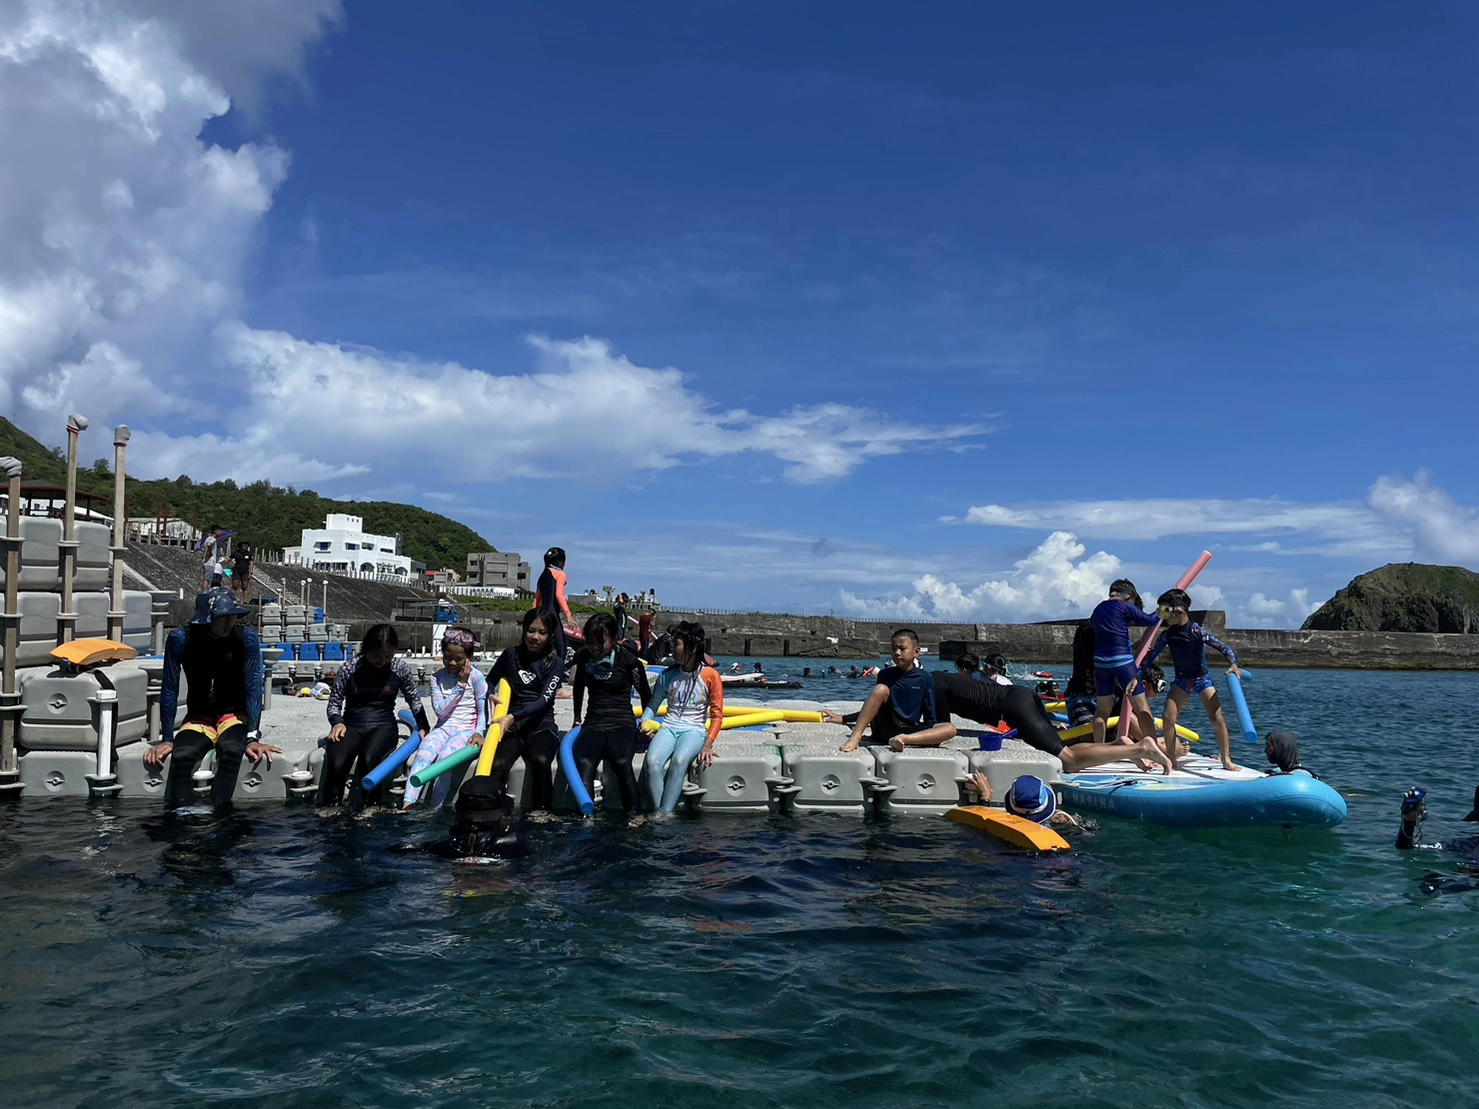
(831, 637)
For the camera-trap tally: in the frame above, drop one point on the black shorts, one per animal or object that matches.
(886, 725)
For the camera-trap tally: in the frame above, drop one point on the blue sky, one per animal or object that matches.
(950, 311)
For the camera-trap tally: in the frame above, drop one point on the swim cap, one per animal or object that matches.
(1283, 750)
(1033, 798)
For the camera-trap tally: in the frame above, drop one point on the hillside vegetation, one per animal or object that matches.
(265, 515)
(1404, 597)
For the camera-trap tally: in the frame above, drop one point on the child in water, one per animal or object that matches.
(695, 697)
(1189, 641)
(459, 698)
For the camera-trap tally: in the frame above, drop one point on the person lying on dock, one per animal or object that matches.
(1029, 797)
(222, 664)
(1415, 812)
(1114, 660)
(1188, 642)
(901, 708)
(1020, 708)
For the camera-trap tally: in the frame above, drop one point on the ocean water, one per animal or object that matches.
(283, 957)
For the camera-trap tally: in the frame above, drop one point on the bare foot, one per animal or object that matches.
(850, 746)
(896, 744)
(1227, 765)
(1153, 751)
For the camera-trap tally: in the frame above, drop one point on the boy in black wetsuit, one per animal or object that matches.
(1409, 837)
(901, 707)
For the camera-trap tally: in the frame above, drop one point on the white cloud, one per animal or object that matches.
(121, 288)
(1400, 519)
(1441, 529)
(1054, 580)
(1158, 518)
(1261, 611)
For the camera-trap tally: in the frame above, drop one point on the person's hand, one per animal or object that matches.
(650, 727)
(155, 756)
(464, 673)
(706, 756)
(424, 732)
(1235, 671)
(336, 733)
(506, 723)
(982, 786)
(258, 751)
(475, 741)
(575, 723)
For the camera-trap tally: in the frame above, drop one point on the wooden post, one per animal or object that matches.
(10, 699)
(66, 621)
(121, 436)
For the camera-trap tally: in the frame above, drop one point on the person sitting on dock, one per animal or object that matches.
(1114, 660)
(1020, 708)
(969, 666)
(901, 708)
(459, 698)
(222, 663)
(994, 669)
(1189, 641)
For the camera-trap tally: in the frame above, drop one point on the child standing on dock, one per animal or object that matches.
(695, 696)
(459, 697)
(610, 672)
(1189, 641)
(534, 671)
(362, 727)
(1114, 660)
(901, 708)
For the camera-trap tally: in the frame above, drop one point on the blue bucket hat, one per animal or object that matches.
(216, 602)
(1033, 798)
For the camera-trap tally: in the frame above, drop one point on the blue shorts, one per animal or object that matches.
(1079, 709)
(1194, 686)
(1106, 678)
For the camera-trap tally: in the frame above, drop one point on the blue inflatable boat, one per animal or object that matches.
(1200, 794)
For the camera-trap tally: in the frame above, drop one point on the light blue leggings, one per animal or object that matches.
(681, 745)
(438, 744)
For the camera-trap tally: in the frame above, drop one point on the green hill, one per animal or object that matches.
(1404, 597)
(265, 515)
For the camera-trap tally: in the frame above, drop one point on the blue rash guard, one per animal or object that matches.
(1111, 621)
(224, 675)
(1189, 643)
(911, 697)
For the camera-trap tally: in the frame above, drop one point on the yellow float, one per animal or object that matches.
(501, 696)
(1014, 829)
(1110, 724)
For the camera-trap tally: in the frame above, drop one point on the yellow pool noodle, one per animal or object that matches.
(501, 696)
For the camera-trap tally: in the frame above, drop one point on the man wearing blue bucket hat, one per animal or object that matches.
(222, 663)
(1028, 797)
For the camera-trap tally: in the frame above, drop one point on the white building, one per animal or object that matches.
(341, 546)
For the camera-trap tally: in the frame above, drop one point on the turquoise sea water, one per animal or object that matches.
(286, 958)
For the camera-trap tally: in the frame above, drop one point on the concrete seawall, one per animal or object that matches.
(830, 637)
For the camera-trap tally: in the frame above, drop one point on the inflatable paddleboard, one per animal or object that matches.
(1200, 794)
(1014, 829)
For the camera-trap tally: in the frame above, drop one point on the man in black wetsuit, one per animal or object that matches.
(222, 664)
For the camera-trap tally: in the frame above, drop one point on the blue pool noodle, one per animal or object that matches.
(396, 759)
(572, 772)
(1240, 705)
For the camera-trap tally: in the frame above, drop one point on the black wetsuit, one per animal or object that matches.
(533, 684)
(609, 730)
(223, 704)
(363, 700)
(988, 702)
